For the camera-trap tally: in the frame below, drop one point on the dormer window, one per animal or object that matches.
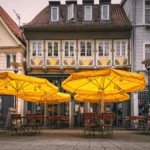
(105, 12)
(88, 13)
(54, 13)
(71, 12)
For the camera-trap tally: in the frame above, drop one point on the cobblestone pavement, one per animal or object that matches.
(72, 139)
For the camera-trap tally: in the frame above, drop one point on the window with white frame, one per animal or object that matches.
(85, 48)
(88, 13)
(147, 51)
(10, 58)
(105, 12)
(54, 13)
(52, 49)
(121, 48)
(69, 49)
(103, 48)
(147, 11)
(71, 12)
(37, 49)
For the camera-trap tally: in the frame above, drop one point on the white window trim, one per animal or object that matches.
(57, 14)
(31, 48)
(126, 48)
(97, 46)
(102, 12)
(11, 59)
(144, 12)
(86, 48)
(71, 17)
(46, 46)
(90, 13)
(69, 41)
(145, 43)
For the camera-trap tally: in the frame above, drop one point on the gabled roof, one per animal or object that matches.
(11, 25)
(118, 19)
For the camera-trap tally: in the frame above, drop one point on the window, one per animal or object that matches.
(147, 51)
(69, 49)
(105, 12)
(52, 49)
(37, 49)
(54, 14)
(121, 48)
(10, 58)
(103, 48)
(85, 49)
(88, 13)
(71, 12)
(147, 12)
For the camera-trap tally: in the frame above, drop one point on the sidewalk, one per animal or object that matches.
(72, 139)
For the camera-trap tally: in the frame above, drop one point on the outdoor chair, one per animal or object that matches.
(127, 122)
(39, 122)
(17, 125)
(2, 122)
(89, 124)
(31, 125)
(107, 129)
(147, 126)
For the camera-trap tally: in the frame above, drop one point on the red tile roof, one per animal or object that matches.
(118, 19)
(11, 25)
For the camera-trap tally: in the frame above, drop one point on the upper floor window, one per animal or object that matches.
(147, 51)
(54, 13)
(121, 48)
(69, 49)
(147, 12)
(37, 49)
(105, 12)
(103, 48)
(85, 49)
(10, 58)
(52, 49)
(88, 13)
(71, 15)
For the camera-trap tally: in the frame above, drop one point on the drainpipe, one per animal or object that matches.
(134, 105)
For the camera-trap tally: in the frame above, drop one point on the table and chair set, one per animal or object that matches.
(141, 124)
(98, 124)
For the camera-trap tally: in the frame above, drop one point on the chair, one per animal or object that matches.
(147, 125)
(127, 122)
(31, 124)
(2, 122)
(89, 124)
(39, 122)
(108, 124)
(17, 125)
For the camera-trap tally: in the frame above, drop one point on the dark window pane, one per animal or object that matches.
(8, 61)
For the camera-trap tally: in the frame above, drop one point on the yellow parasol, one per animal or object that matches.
(107, 99)
(15, 84)
(104, 82)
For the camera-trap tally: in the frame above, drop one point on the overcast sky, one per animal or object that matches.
(27, 9)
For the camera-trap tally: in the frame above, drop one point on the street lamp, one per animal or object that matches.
(147, 66)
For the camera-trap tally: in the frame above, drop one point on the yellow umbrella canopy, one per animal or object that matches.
(107, 99)
(15, 84)
(104, 82)
(48, 98)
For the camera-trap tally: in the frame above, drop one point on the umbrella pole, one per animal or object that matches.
(45, 114)
(16, 103)
(102, 102)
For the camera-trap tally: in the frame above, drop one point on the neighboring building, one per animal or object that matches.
(78, 36)
(12, 49)
(138, 12)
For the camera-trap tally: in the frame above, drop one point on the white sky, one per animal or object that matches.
(27, 9)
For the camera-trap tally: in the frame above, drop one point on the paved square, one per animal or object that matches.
(72, 139)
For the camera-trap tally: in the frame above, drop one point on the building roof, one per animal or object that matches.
(11, 25)
(118, 19)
